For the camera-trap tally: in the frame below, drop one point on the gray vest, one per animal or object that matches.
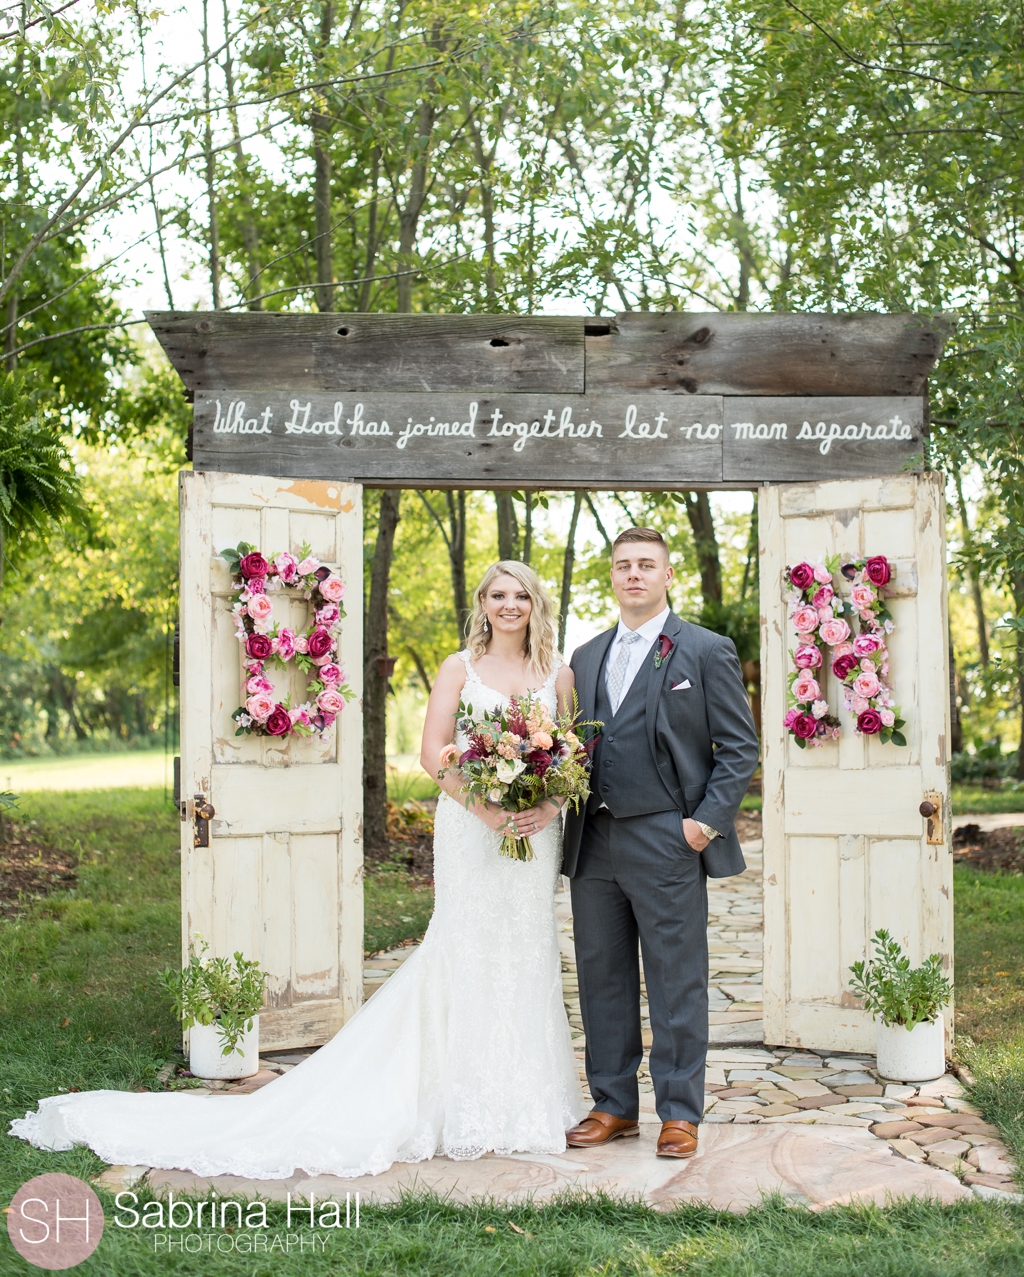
(625, 776)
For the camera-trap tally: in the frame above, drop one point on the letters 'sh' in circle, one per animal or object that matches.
(55, 1221)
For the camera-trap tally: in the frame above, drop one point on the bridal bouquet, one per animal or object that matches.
(518, 756)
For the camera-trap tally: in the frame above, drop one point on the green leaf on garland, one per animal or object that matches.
(800, 742)
(898, 738)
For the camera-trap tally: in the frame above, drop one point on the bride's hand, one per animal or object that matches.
(534, 819)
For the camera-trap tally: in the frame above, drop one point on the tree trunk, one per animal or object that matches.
(971, 566)
(508, 532)
(457, 556)
(250, 236)
(753, 542)
(11, 335)
(567, 566)
(375, 688)
(698, 510)
(956, 731)
(321, 125)
(1018, 598)
(528, 528)
(211, 169)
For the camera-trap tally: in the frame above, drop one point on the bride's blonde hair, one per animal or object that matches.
(539, 645)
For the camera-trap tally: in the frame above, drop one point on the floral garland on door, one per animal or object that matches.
(861, 662)
(255, 577)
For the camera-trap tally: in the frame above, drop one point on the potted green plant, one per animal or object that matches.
(907, 1003)
(219, 1006)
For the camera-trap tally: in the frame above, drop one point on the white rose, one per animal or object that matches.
(509, 768)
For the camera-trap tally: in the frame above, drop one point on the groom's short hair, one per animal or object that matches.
(650, 535)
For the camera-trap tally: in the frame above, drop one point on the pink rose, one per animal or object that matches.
(842, 649)
(259, 607)
(806, 688)
(256, 586)
(867, 666)
(807, 656)
(843, 666)
(862, 596)
(449, 755)
(331, 674)
(835, 631)
(805, 726)
(821, 574)
(865, 685)
(333, 589)
(307, 567)
(824, 597)
(253, 564)
(866, 644)
(285, 565)
(801, 576)
(279, 723)
(258, 684)
(541, 740)
(805, 619)
(260, 706)
(877, 570)
(285, 643)
(328, 615)
(859, 704)
(887, 716)
(819, 709)
(791, 716)
(869, 722)
(300, 715)
(330, 701)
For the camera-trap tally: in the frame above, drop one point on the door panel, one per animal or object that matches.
(282, 877)
(844, 842)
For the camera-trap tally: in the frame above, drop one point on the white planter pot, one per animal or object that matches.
(206, 1056)
(917, 1056)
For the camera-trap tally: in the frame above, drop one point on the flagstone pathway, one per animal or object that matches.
(820, 1128)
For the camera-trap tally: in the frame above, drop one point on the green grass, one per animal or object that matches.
(974, 800)
(93, 1016)
(395, 908)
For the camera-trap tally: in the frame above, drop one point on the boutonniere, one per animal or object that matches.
(665, 645)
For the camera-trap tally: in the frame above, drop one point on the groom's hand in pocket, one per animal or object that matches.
(695, 837)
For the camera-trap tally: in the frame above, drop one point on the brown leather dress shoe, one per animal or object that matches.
(677, 1139)
(598, 1128)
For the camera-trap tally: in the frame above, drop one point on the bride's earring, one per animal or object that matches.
(487, 625)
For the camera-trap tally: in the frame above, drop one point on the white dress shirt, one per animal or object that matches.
(638, 652)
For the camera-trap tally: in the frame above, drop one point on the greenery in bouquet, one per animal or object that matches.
(209, 991)
(894, 991)
(521, 755)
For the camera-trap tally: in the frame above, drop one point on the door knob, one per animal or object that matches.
(202, 812)
(935, 825)
(205, 810)
(927, 809)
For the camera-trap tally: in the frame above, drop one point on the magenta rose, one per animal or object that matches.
(843, 666)
(877, 570)
(253, 565)
(285, 565)
(285, 643)
(259, 646)
(319, 643)
(791, 716)
(869, 722)
(807, 656)
(801, 576)
(279, 723)
(824, 597)
(327, 616)
(331, 674)
(866, 644)
(805, 726)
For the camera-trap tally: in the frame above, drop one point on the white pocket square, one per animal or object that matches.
(681, 687)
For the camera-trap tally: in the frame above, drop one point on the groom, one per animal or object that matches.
(674, 758)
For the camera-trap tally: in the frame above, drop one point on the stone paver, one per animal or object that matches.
(820, 1128)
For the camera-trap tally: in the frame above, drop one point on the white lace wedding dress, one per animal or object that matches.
(465, 1050)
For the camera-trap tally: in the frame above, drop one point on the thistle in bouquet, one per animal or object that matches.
(812, 612)
(520, 755)
(862, 663)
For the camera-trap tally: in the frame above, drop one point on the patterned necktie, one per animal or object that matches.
(617, 673)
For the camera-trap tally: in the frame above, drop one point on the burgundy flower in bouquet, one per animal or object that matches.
(319, 643)
(805, 726)
(843, 666)
(869, 722)
(665, 645)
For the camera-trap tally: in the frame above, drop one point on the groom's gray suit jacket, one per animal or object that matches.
(702, 737)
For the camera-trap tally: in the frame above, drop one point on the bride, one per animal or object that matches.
(466, 1050)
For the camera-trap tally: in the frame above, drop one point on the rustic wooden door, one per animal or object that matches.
(846, 849)
(281, 876)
